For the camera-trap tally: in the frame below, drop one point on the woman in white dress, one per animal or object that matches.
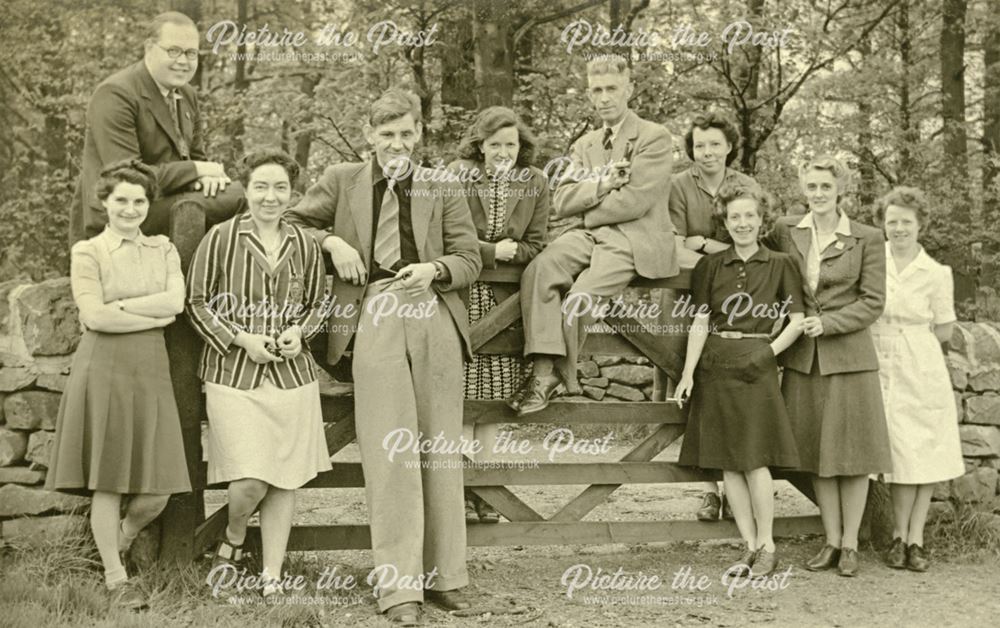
(919, 404)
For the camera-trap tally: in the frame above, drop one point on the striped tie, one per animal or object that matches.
(172, 97)
(387, 234)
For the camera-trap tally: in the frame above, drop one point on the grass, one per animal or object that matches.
(971, 532)
(61, 584)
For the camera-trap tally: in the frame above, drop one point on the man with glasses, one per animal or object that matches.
(149, 113)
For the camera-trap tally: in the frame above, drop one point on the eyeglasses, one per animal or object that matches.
(191, 54)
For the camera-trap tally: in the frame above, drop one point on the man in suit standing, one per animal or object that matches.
(149, 113)
(619, 183)
(402, 246)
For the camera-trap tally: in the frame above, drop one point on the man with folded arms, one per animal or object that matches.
(618, 183)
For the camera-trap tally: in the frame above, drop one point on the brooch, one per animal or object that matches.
(839, 245)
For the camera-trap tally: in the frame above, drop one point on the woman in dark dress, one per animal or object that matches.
(831, 382)
(737, 420)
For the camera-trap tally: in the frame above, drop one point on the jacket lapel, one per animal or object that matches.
(517, 192)
(802, 238)
(359, 197)
(421, 208)
(158, 105)
(843, 244)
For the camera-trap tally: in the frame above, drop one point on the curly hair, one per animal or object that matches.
(714, 120)
(841, 173)
(127, 171)
(262, 157)
(488, 122)
(903, 196)
(736, 190)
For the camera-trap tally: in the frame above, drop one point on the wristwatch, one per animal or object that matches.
(438, 271)
(701, 249)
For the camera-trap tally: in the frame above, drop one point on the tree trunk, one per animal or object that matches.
(991, 114)
(953, 104)
(457, 75)
(908, 134)
(865, 140)
(493, 54)
(748, 73)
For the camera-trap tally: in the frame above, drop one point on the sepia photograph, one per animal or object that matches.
(555, 313)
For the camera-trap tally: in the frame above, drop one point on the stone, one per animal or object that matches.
(983, 409)
(21, 475)
(2, 397)
(15, 378)
(959, 409)
(32, 410)
(13, 446)
(630, 374)
(942, 492)
(52, 381)
(983, 347)
(975, 487)
(43, 531)
(637, 360)
(49, 319)
(971, 464)
(19, 501)
(940, 512)
(985, 380)
(594, 392)
(600, 382)
(647, 391)
(624, 392)
(40, 447)
(606, 360)
(980, 440)
(958, 368)
(588, 369)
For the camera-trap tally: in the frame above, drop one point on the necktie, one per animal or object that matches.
(172, 97)
(607, 139)
(387, 234)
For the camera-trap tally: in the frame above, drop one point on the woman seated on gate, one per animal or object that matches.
(831, 383)
(737, 420)
(509, 200)
(256, 294)
(118, 431)
(921, 418)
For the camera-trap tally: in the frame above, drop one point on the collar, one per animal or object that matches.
(616, 128)
(922, 261)
(378, 175)
(843, 224)
(245, 225)
(164, 91)
(727, 174)
(762, 254)
(115, 241)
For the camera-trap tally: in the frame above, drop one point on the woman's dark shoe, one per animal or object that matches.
(228, 554)
(896, 556)
(727, 512)
(743, 565)
(825, 559)
(916, 558)
(486, 513)
(848, 565)
(128, 596)
(537, 394)
(711, 504)
(514, 401)
(764, 563)
(453, 600)
(471, 516)
(405, 614)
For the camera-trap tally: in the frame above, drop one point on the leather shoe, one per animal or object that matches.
(453, 600)
(514, 401)
(896, 556)
(471, 516)
(742, 566)
(405, 614)
(916, 558)
(764, 563)
(537, 395)
(128, 596)
(848, 565)
(825, 559)
(711, 503)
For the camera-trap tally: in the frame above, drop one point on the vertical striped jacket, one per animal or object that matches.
(231, 288)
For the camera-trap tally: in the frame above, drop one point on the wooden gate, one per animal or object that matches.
(186, 532)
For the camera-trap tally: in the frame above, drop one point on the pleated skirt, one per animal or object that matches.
(118, 429)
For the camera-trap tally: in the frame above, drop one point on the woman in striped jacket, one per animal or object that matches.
(256, 294)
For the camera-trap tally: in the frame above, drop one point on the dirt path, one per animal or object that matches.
(952, 593)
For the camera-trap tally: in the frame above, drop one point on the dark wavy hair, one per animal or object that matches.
(262, 157)
(903, 196)
(394, 103)
(488, 122)
(714, 120)
(736, 190)
(127, 171)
